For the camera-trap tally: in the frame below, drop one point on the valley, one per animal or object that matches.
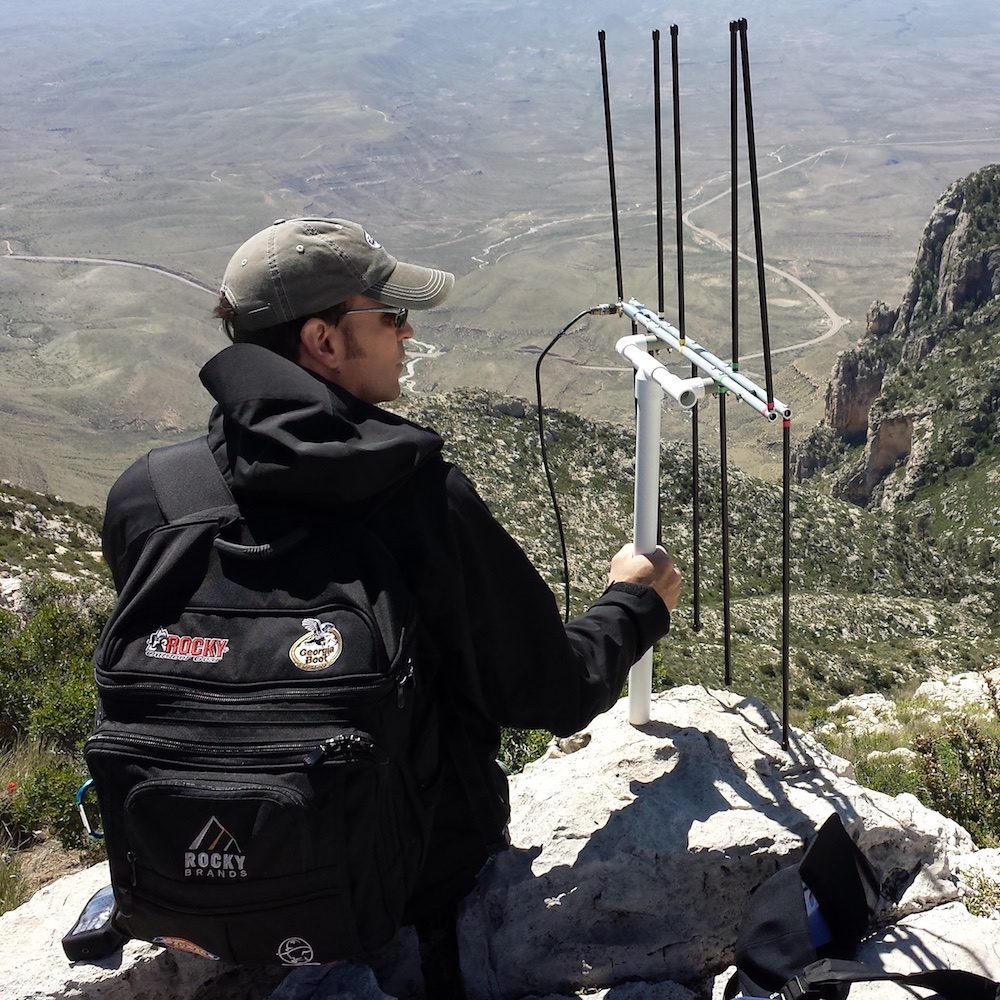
(466, 135)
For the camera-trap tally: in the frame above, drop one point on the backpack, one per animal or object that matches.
(802, 927)
(264, 751)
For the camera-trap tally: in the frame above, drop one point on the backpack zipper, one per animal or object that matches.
(267, 694)
(346, 748)
(407, 680)
(343, 748)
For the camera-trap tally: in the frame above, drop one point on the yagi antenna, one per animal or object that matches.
(653, 380)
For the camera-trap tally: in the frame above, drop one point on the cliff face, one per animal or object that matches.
(857, 380)
(953, 294)
(953, 268)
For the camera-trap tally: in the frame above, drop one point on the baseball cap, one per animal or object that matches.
(297, 267)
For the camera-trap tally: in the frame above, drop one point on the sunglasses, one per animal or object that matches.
(399, 315)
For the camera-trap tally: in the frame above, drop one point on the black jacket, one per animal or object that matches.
(492, 638)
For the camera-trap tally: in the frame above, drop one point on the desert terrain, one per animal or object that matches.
(469, 135)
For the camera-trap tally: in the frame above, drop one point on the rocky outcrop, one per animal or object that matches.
(972, 279)
(919, 299)
(857, 379)
(854, 385)
(635, 851)
(888, 447)
(952, 270)
(47, 535)
(10, 593)
(880, 319)
(957, 270)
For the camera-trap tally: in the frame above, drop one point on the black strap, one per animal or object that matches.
(186, 478)
(949, 984)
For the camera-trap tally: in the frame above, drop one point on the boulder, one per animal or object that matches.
(636, 854)
(10, 593)
(635, 851)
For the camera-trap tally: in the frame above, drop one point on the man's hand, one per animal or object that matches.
(656, 570)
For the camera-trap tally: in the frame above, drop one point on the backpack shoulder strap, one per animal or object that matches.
(186, 478)
(949, 984)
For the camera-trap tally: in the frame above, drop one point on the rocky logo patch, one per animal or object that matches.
(165, 645)
(214, 854)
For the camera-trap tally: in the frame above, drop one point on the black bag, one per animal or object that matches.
(264, 756)
(802, 928)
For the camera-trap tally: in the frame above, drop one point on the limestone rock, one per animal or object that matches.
(511, 407)
(926, 271)
(869, 398)
(962, 690)
(872, 712)
(618, 844)
(890, 444)
(10, 593)
(972, 279)
(854, 385)
(865, 713)
(880, 319)
(856, 380)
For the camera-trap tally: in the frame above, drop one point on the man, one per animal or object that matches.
(297, 428)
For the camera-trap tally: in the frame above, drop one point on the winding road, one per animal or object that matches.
(837, 322)
(158, 268)
(417, 350)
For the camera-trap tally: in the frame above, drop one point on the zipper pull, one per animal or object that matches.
(406, 679)
(347, 747)
(318, 754)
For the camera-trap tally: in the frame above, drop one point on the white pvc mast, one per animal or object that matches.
(649, 397)
(652, 382)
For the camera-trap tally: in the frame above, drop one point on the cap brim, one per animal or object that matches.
(411, 286)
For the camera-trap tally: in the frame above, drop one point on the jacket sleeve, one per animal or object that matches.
(508, 653)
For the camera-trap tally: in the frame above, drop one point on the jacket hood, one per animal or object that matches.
(287, 434)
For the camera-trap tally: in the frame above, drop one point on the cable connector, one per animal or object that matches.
(607, 309)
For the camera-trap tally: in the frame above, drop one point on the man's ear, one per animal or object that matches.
(319, 346)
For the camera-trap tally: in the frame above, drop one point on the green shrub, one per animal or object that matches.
(960, 768)
(46, 801)
(521, 746)
(890, 775)
(46, 711)
(46, 688)
(982, 896)
(63, 715)
(13, 890)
